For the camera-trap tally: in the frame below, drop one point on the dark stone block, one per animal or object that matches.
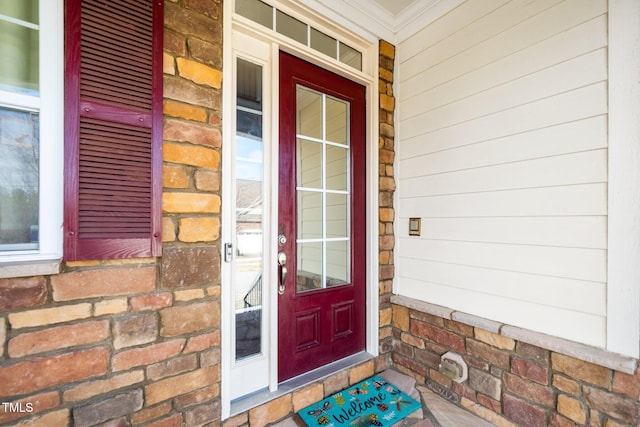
(108, 409)
(207, 53)
(485, 383)
(202, 415)
(22, 293)
(523, 413)
(192, 23)
(614, 405)
(134, 330)
(190, 266)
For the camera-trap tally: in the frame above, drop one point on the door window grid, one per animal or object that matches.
(339, 274)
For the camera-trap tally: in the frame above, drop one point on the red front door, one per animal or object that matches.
(322, 218)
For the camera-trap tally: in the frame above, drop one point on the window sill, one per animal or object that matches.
(29, 268)
(597, 356)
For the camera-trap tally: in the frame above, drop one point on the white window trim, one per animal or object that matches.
(623, 285)
(46, 259)
(368, 77)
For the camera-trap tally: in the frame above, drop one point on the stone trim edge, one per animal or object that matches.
(579, 351)
(12, 270)
(245, 404)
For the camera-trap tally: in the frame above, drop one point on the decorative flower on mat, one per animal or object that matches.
(317, 412)
(379, 384)
(323, 420)
(374, 420)
(391, 415)
(400, 403)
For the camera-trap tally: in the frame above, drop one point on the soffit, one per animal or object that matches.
(391, 20)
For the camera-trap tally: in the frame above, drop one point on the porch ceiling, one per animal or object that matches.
(395, 7)
(391, 20)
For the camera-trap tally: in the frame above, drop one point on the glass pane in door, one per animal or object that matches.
(249, 210)
(310, 263)
(337, 168)
(323, 190)
(338, 265)
(310, 222)
(337, 216)
(337, 130)
(309, 154)
(309, 109)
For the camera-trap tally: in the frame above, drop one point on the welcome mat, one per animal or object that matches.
(372, 402)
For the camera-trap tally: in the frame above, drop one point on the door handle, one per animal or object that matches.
(283, 276)
(282, 261)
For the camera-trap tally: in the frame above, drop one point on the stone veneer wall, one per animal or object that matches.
(512, 383)
(136, 342)
(387, 186)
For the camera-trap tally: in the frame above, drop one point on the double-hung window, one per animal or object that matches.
(31, 130)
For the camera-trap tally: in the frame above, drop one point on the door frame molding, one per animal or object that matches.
(234, 24)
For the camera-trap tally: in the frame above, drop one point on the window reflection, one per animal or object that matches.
(19, 125)
(19, 179)
(249, 166)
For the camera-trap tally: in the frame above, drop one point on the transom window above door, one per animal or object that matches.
(282, 23)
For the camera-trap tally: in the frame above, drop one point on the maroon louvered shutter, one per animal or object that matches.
(113, 129)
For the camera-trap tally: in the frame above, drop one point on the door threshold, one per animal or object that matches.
(245, 403)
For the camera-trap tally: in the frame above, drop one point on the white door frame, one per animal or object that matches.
(255, 369)
(236, 30)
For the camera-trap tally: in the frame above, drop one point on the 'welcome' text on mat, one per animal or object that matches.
(372, 402)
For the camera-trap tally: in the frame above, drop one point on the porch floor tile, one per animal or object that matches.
(437, 412)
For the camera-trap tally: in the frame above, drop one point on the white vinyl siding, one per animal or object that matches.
(502, 146)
